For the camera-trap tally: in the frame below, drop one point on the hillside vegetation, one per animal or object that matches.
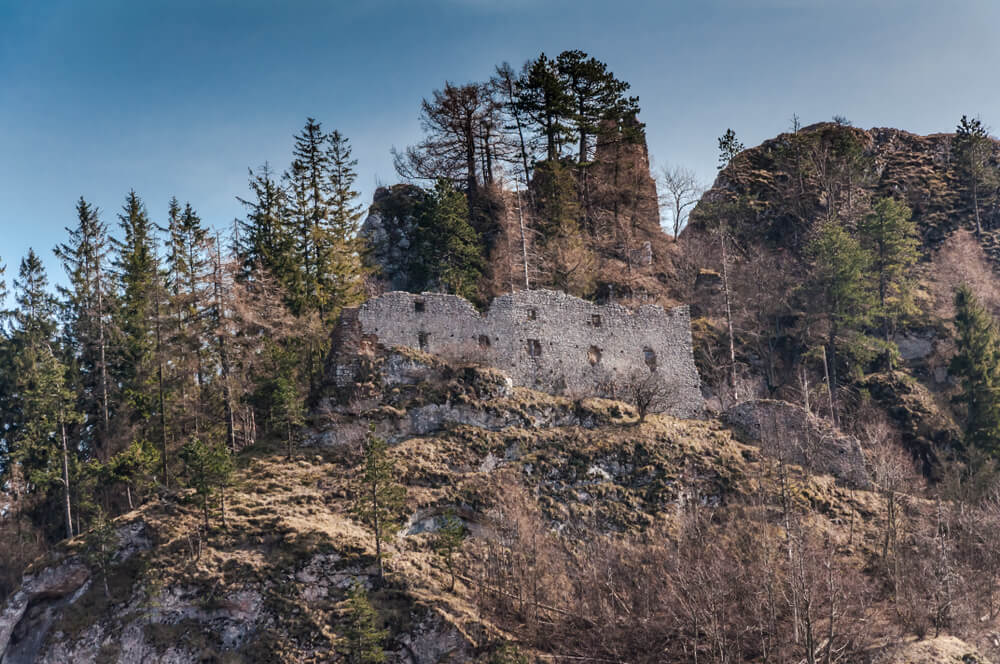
(184, 479)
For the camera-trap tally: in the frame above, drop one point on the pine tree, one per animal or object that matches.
(89, 328)
(972, 149)
(977, 366)
(889, 236)
(838, 288)
(448, 541)
(362, 640)
(729, 148)
(450, 256)
(379, 499)
(543, 98)
(595, 95)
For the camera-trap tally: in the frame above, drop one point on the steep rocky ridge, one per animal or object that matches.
(268, 585)
(771, 198)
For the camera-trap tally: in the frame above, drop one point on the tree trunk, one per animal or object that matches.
(378, 533)
(829, 368)
(524, 237)
(729, 321)
(65, 470)
(163, 409)
(105, 425)
(975, 204)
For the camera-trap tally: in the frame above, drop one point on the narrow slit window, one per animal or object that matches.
(534, 348)
(422, 339)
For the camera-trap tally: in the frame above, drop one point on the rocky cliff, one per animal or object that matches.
(267, 583)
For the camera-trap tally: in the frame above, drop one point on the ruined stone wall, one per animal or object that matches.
(546, 340)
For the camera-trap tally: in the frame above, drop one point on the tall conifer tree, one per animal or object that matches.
(89, 301)
(890, 237)
(977, 366)
(140, 363)
(309, 188)
(44, 405)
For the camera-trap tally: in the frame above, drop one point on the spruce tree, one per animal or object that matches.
(362, 640)
(838, 288)
(187, 267)
(977, 366)
(138, 276)
(309, 189)
(210, 470)
(266, 241)
(288, 411)
(345, 279)
(379, 498)
(88, 303)
(43, 410)
(889, 236)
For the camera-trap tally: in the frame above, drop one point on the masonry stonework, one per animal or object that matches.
(544, 340)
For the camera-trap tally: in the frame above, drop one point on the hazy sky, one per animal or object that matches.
(180, 97)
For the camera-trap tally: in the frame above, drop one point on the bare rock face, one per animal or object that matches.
(390, 232)
(28, 614)
(787, 432)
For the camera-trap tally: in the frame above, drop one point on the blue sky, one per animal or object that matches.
(180, 97)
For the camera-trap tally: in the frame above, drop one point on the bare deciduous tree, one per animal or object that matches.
(680, 192)
(647, 391)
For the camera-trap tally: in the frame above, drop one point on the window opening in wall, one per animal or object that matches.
(422, 338)
(534, 348)
(418, 306)
(649, 356)
(484, 341)
(532, 314)
(595, 320)
(594, 355)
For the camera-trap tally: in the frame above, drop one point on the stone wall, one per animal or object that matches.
(544, 340)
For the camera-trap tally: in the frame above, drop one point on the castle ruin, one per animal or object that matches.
(544, 340)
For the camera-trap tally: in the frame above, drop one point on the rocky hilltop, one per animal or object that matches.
(268, 581)
(772, 199)
(752, 530)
